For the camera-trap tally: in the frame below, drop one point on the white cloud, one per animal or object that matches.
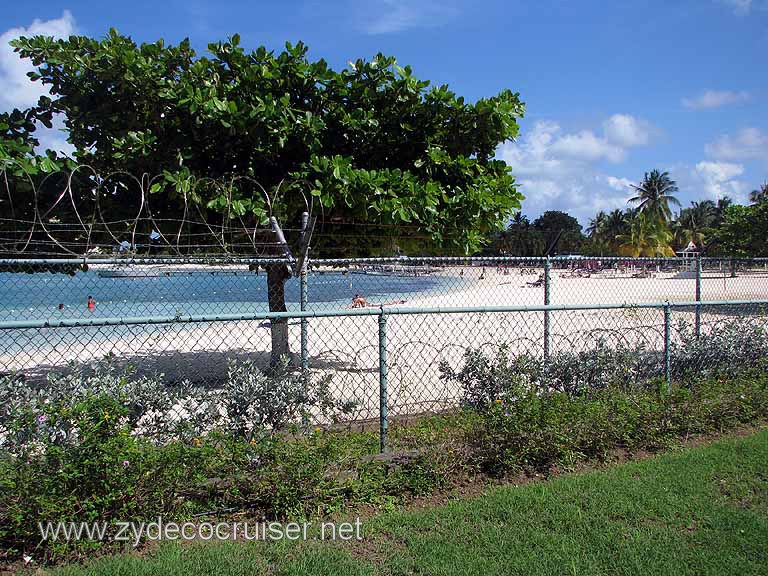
(627, 131)
(560, 171)
(619, 184)
(746, 144)
(716, 99)
(718, 179)
(389, 16)
(18, 91)
(585, 145)
(739, 6)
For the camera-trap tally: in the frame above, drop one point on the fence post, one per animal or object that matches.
(304, 321)
(383, 416)
(667, 346)
(698, 295)
(547, 269)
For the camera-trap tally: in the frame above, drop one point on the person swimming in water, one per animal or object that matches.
(91, 303)
(358, 301)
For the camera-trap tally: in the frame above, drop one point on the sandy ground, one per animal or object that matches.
(347, 347)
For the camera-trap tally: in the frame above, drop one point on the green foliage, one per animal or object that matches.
(694, 512)
(537, 431)
(557, 225)
(370, 143)
(760, 195)
(654, 195)
(250, 404)
(580, 405)
(112, 475)
(86, 447)
(521, 238)
(253, 402)
(729, 349)
(695, 224)
(645, 236)
(485, 380)
(745, 230)
(18, 143)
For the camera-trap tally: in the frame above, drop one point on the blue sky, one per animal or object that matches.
(613, 88)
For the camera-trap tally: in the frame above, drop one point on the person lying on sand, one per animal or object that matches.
(536, 283)
(360, 302)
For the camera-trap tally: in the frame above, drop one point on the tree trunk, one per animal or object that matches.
(277, 275)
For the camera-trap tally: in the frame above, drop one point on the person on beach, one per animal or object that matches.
(91, 303)
(360, 302)
(61, 307)
(536, 283)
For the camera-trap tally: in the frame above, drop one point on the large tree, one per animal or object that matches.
(745, 230)
(561, 231)
(371, 143)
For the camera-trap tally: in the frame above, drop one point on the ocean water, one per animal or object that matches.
(37, 296)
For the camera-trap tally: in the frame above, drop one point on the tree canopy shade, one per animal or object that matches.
(556, 231)
(368, 143)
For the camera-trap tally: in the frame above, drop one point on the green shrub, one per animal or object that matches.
(729, 349)
(103, 444)
(109, 474)
(249, 403)
(538, 431)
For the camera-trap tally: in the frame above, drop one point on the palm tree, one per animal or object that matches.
(519, 220)
(759, 196)
(654, 195)
(597, 225)
(645, 237)
(722, 205)
(615, 224)
(688, 229)
(704, 212)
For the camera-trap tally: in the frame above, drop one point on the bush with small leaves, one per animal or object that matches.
(727, 349)
(252, 402)
(249, 403)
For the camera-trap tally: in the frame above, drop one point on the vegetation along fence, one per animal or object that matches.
(193, 340)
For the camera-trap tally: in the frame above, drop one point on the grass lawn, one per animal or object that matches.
(703, 510)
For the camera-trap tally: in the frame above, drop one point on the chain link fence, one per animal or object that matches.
(383, 338)
(55, 289)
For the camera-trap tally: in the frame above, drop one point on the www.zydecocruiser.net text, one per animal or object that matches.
(138, 532)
